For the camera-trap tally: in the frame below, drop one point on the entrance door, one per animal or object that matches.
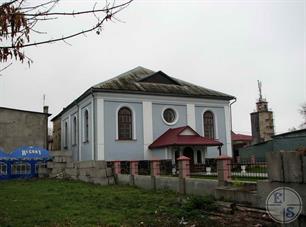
(188, 152)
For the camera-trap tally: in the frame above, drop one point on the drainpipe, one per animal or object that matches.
(94, 124)
(78, 125)
(235, 100)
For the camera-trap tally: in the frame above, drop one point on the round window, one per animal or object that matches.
(169, 115)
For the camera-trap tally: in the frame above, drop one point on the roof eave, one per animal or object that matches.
(227, 98)
(74, 102)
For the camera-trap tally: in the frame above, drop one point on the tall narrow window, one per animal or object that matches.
(125, 124)
(209, 125)
(66, 135)
(74, 130)
(86, 125)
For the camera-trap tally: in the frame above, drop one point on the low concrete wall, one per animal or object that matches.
(192, 186)
(124, 179)
(200, 186)
(168, 183)
(238, 195)
(63, 167)
(145, 182)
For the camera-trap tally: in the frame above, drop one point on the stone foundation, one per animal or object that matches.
(62, 166)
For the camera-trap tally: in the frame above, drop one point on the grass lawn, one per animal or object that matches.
(74, 203)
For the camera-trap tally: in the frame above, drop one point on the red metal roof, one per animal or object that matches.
(173, 137)
(241, 137)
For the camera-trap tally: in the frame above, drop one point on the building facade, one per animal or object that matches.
(56, 134)
(121, 118)
(23, 128)
(289, 141)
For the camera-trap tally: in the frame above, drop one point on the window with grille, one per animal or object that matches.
(21, 168)
(209, 125)
(3, 168)
(125, 124)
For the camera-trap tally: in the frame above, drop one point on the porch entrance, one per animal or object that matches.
(188, 152)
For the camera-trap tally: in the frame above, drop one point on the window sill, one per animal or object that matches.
(123, 141)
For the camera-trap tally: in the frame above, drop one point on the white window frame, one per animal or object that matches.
(215, 123)
(133, 123)
(19, 168)
(176, 115)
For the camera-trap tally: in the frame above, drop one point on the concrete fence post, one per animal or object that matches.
(155, 171)
(224, 169)
(155, 167)
(184, 171)
(134, 168)
(117, 167)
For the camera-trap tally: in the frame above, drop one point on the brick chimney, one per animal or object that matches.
(46, 109)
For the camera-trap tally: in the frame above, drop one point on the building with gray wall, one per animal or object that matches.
(120, 118)
(289, 141)
(23, 128)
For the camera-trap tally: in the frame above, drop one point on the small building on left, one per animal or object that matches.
(23, 128)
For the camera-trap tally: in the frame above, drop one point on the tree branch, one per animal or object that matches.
(16, 24)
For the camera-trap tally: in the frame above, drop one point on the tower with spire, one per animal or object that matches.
(262, 119)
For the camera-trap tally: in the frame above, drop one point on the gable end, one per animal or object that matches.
(159, 78)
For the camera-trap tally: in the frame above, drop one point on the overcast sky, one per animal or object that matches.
(222, 45)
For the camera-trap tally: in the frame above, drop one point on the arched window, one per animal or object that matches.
(86, 126)
(125, 124)
(74, 130)
(209, 125)
(66, 135)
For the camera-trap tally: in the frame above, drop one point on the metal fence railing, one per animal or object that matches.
(144, 168)
(244, 170)
(167, 168)
(125, 167)
(257, 170)
(208, 168)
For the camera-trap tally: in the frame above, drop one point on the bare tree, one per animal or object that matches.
(302, 111)
(19, 19)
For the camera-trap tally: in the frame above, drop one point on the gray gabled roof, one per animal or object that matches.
(147, 82)
(136, 81)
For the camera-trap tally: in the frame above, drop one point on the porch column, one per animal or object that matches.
(195, 156)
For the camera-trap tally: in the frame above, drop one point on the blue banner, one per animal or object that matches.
(30, 152)
(4, 155)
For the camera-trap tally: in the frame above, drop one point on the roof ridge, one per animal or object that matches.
(123, 74)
